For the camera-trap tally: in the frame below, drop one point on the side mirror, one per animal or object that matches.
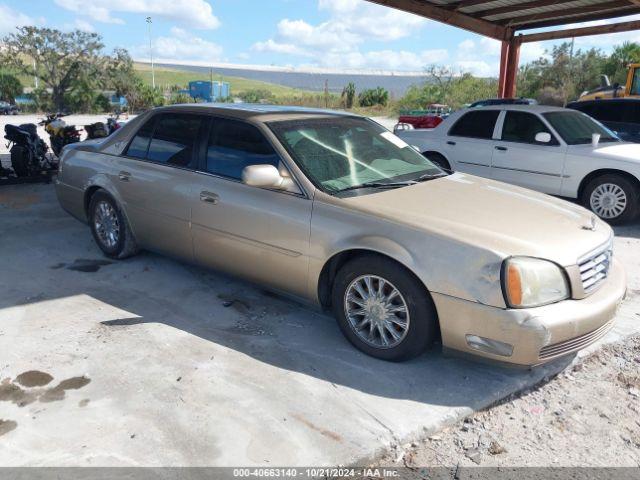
(595, 139)
(543, 137)
(263, 176)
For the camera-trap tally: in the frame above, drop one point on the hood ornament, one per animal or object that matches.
(592, 224)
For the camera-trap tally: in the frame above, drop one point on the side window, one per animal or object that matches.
(174, 139)
(140, 144)
(234, 145)
(523, 127)
(478, 124)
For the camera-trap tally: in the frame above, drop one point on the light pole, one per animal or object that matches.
(153, 74)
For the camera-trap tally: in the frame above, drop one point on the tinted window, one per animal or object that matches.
(476, 124)
(577, 128)
(140, 144)
(174, 139)
(523, 127)
(234, 145)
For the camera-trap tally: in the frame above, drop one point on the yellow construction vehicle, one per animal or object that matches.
(606, 90)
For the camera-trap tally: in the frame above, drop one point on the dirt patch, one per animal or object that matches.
(322, 431)
(13, 391)
(10, 392)
(57, 393)
(16, 201)
(6, 426)
(34, 378)
(588, 416)
(87, 265)
(239, 305)
(84, 402)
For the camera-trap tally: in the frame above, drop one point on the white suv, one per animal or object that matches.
(553, 150)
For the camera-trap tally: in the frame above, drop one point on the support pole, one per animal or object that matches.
(509, 60)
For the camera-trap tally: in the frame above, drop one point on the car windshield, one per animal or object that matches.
(577, 128)
(344, 153)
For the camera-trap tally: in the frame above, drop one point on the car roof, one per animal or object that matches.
(252, 110)
(524, 108)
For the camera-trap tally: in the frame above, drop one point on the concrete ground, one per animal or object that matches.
(157, 363)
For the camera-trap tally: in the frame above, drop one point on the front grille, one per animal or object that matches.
(594, 267)
(574, 344)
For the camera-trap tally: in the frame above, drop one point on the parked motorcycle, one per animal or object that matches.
(101, 130)
(28, 152)
(60, 134)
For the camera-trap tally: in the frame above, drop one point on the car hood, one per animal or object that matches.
(506, 219)
(623, 151)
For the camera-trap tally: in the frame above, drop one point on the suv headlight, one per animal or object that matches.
(532, 282)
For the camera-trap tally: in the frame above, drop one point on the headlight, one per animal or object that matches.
(532, 282)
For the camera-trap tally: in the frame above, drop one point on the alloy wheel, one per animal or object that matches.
(608, 200)
(377, 312)
(106, 224)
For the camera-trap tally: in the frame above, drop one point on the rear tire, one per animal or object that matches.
(109, 227)
(614, 198)
(20, 161)
(366, 321)
(438, 160)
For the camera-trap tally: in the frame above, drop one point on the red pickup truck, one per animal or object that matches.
(429, 118)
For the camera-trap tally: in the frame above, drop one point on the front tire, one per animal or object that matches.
(382, 309)
(110, 228)
(612, 197)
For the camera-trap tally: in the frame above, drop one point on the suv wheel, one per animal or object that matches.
(382, 309)
(109, 227)
(612, 197)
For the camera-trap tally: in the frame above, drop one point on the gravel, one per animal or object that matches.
(587, 416)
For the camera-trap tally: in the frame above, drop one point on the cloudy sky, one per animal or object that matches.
(334, 34)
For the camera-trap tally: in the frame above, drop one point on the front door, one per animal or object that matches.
(257, 233)
(155, 179)
(521, 160)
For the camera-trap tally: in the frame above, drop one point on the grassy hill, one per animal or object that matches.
(170, 76)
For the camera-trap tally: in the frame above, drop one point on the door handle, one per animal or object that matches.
(209, 197)
(451, 143)
(124, 176)
(502, 149)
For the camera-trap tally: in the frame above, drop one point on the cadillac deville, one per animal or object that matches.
(335, 210)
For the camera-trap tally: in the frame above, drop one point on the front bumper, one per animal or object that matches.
(537, 335)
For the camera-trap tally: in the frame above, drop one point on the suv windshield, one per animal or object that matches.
(577, 128)
(344, 153)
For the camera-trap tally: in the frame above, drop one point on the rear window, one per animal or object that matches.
(478, 124)
(139, 146)
(169, 138)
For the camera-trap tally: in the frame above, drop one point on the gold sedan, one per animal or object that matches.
(335, 210)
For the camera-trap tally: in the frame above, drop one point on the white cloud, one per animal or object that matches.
(10, 19)
(337, 42)
(194, 13)
(79, 24)
(181, 46)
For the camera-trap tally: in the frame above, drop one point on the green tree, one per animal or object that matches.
(10, 87)
(617, 63)
(373, 96)
(562, 74)
(256, 95)
(349, 95)
(62, 58)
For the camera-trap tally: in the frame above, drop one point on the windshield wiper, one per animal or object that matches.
(430, 176)
(379, 185)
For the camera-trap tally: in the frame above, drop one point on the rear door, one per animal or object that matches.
(519, 159)
(155, 178)
(469, 143)
(257, 233)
